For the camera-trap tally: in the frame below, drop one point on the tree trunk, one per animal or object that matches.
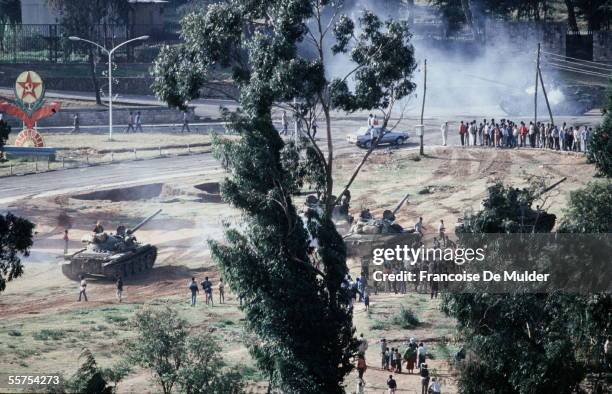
(469, 18)
(571, 16)
(94, 78)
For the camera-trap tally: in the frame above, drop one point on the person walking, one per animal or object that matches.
(418, 227)
(392, 385)
(185, 122)
(442, 232)
(119, 284)
(65, 238)
(314, 127)
(361, 365)
(366, 299)
(383, 353)
(207, 287)
(363, 345)
(221, 291)
(138, 121)
(444, 131)
(421, 355)
(83, 288)
(193, 286)
(284, 123)
(398, 361)
(76, 123)
(410, 355)
(130, 124)
(424, 379)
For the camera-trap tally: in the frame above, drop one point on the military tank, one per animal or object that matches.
(107, 255)
(368, 233)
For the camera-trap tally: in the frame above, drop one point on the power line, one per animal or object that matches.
(609, 74)
(608, 68)
(575, 58)
(578, 71)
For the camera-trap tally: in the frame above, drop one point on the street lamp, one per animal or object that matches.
(110, 74)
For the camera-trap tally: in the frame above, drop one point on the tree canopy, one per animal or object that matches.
(15, 240)
(527, 343)
(289, 266)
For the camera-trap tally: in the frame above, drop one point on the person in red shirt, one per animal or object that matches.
(523, 134)
(462, 133)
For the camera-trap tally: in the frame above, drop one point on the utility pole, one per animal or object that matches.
(535, 96)
(552, 122)
(421, 151)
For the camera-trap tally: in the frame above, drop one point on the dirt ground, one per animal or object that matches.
(42, 323)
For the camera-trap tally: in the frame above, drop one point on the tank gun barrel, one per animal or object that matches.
(549, 188)
(400, 204)
(145, 221)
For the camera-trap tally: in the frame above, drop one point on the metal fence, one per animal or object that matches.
(50, 44)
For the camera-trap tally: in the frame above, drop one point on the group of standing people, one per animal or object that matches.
(207, 288)
(509, 134)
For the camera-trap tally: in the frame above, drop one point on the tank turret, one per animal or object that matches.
(112, 254)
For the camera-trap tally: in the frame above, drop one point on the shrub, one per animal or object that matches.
(49, 334)
(406, 318)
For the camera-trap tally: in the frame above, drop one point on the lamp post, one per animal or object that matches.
(110, 74)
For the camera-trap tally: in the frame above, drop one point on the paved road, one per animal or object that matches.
(91, 178)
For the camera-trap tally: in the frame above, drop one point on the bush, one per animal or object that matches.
(14, 333)
(406, 318)
(49, 334)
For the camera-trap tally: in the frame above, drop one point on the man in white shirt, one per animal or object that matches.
(444, 130)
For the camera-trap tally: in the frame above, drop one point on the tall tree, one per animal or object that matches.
(87, 19)
(600, 141)
(15, 240)
(298, 313)
(5, 130)
(499, 329)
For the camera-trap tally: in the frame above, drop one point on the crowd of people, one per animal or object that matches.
(508, 134)
(392, 359)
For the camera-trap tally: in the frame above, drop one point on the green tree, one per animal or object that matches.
(88, 379)
(5, 130)
(589, 210)
(299, 314)
(600, 141)
(177, 358)
(15, 239)
(85, 19)
(515, 343)
(10, 11)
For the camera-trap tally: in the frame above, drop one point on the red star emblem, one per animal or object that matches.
(28, 87)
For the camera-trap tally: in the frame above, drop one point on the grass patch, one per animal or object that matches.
(49, 334)
(379, 325)
(406, 318)
(116, 319)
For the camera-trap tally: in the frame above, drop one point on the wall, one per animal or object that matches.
(95, 116)
(551, 35)
(37, 12)
(602, 46)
